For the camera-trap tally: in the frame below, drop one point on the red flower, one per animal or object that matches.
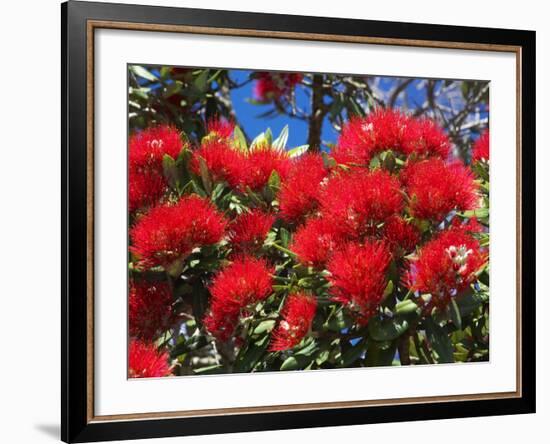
(480, 150)
(223, 162)
(356, 202)
(447, 264)
(388, 129)
(315, 241)
(424, 137)
(220, 128)
(243, 283)
(170, 232)
(271, 86)
(145, 361)
(150, 309)
(146, 182)
(435, 188)
(148, 147)
(299, 195)
(298, 314)
(145, 189)
(258, 165)
(401, 235)
(358, 277)
(249, 230)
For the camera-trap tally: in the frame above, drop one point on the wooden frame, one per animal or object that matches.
(79, 20)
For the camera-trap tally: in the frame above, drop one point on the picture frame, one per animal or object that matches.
(80, 21)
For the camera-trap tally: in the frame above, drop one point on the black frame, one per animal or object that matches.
(75, 426)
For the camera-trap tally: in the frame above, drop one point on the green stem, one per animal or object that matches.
(284, 250)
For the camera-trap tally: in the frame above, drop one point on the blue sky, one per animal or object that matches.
(248, 113)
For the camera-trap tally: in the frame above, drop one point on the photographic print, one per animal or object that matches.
(301, 221)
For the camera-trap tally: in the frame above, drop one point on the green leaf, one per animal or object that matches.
(261, 140)
(249, 356)
(201, 81)
(171, 89)
(298, 151)
(380, 353)
(239, 140)
(387, 329)
(439, 340)
(284, 235)
(352, 354)
(205, 175)
(170, 170)
(295, 363)
(142, 72)
(209, 370)
(454, 313)
(264, 327)
(480, 213)
(405, 307)
(274, 181)
(280, 142)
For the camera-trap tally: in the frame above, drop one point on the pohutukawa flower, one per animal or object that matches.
(358, 201)
(401, 235)
(480, 150)
(249, 230)
(299, 195)
(145, 189)
(224, 163)
(388, 129)
(424, 137)
(315, 241)
(258, 166)
(271, 86)
(358, 277)
(234, 290)
(148, 147)
(447, 264)
(298, 314)
(150, 309)
(169, 233)
(435, 188)
(222, 129)
(145, 361)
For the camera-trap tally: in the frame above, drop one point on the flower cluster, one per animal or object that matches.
(146, 183)
(169, 233)
(240, 169)
(386, 129)
(358, 275)
(234, 291)
(149, 309)
(480, 150)
(271, 86)
(145, 361)
(249, 230)
(447, 264)
(298, 314)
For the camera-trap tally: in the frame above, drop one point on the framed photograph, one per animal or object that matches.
(276, 221)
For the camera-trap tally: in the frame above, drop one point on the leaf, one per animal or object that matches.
(170, 170)
(171, 89)
(387, 329)
(264, 327)
(201, 81)
(298, 151)
(380, 353)
(480, 213)
(454, 313)
(280, 142)
(246, 360)
(274, 181)
(405, 307)
(205, 175)
(440, 341)
(239, 140)
(261, 140)
(353, 353)
(284, 235)
(208, 370)
(295, 363)
(142, 72)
